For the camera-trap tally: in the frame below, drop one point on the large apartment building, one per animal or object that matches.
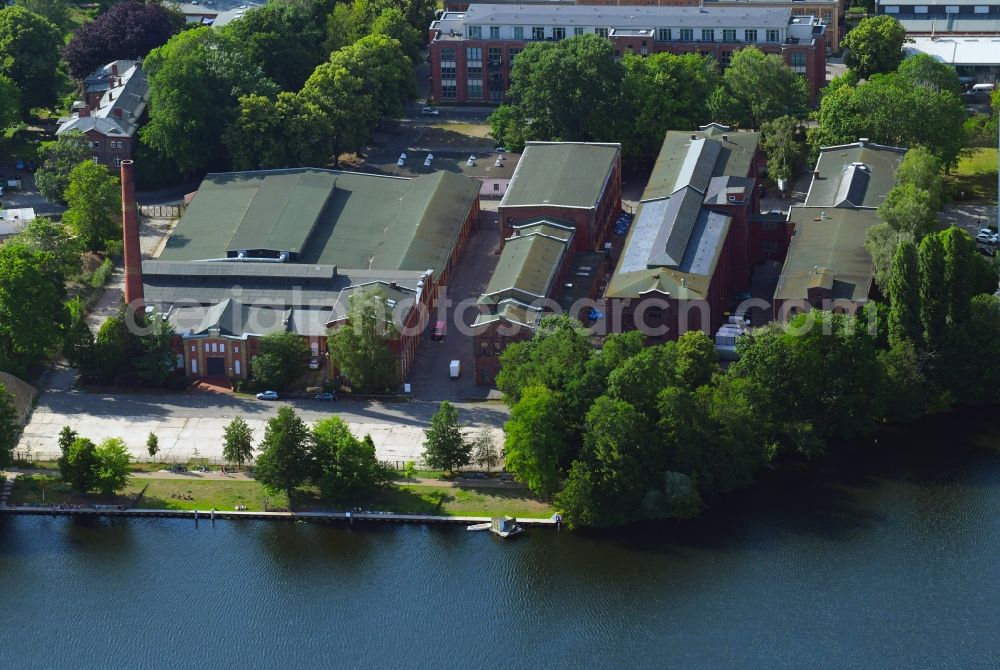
(472, 52)
(829, 11)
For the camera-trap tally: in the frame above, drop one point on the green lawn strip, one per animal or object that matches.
(205, 494)
(28, 490)
(435, 500)
(975, 174)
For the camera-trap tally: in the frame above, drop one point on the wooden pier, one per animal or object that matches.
(211, 515)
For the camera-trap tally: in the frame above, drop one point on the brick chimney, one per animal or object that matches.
(85, 111)
(117, 111)
(130, 234)
(114, 68)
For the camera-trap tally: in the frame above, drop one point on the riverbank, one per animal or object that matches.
(204, 491)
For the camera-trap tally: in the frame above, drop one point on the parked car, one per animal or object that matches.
(314, 364)
(430, 111)
(437, 332)
(986, 235)
(267, 395)
(19, 165)
(325, 396)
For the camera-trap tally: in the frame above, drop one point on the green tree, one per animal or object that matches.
(881, 241)
(784, 143)
(66, 437)
(568, 89)
(554, 357)
(283, 463)
(237, 445)
(290, 352)
(445, 448)
(959, 257)
(58, 159)
(111, 466)
(79, 464)
(640, 378)
(156, 362)
(758, 88)
(279, 133)
(905, 390)
(537, 444)
(266, 370)
(484, 450)
(874, 46)
(909, 209)
(56, 11)
(10, 102)
(95, 205)
(195, 82)
(697, 360)
(933, 300)
(117, 347)
(343, 27)
(360, 349)
(42, 235)
(924, 70)
(282, 39)
(33, 315)
(152, 445)
(922, 169)
(661, 92)
(10, 427)
(904, 296)
(392, 23)
(29, 55)
(507, 127)
(346, 467)
(890, 110)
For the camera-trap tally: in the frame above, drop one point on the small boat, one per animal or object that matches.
(478, 526)
(505, 526)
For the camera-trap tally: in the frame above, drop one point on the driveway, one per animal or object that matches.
(192, 424)
(27, 195)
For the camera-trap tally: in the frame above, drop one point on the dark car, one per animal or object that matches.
(326, 396)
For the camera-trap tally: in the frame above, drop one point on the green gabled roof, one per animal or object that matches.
(712, 155)
(348, 219)
(854, 175)
(568, 174)
(828, 250)
(526, 268)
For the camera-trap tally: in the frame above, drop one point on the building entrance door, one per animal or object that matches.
(216, 366)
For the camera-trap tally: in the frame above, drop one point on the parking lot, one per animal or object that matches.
(192, 424)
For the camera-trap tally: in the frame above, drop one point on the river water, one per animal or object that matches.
(884, 558)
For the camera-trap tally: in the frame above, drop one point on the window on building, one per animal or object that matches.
(769, 225)
(827, 15)
(179, 360)
(769, 247)
(512, 54)
(725, 58)
(447, 55)
(448, 71)
(538, 33)
(577, 31)
(495, 56)
(97, 159)
(892, 9)
(798, 62)
(118, 161)
(979, 9)
(474, 55)
(707, 35)
(920, 9)
(687, 34)
(494, 32)
(449, 90)
(518, 32)
(773, 35)
(750, 35)
(603, 32)
(663, 35)
(559, 33)
(96, 145)
(475, 32)
(474, 88)
(951, 9)
(728, 35)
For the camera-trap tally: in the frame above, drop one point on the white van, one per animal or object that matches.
(454, 369)
(983, 88)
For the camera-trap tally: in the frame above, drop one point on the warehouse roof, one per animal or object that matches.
(828, 249)
(956, 50)
(528, 263)
(565, 174)
(715, 151)
(854, 175)
(327, 217)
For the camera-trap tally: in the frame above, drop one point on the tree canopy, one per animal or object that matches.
(281, 360)
(95, 205)
(238, 442)
(58, 158)
(29, 55)
(283, 463)
(445, 447)
(32, 311)
(783, 141)
(757, 88)
(10, 427)
(130, 29)
(346, 468)
(360, 349)
(874, 46)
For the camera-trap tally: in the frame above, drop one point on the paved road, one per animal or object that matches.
(186, 423)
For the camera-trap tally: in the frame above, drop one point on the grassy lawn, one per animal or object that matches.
(182, 494)
(458, 135)
(481, 130)
(975, 174)
(204, 495)
(438, 500)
